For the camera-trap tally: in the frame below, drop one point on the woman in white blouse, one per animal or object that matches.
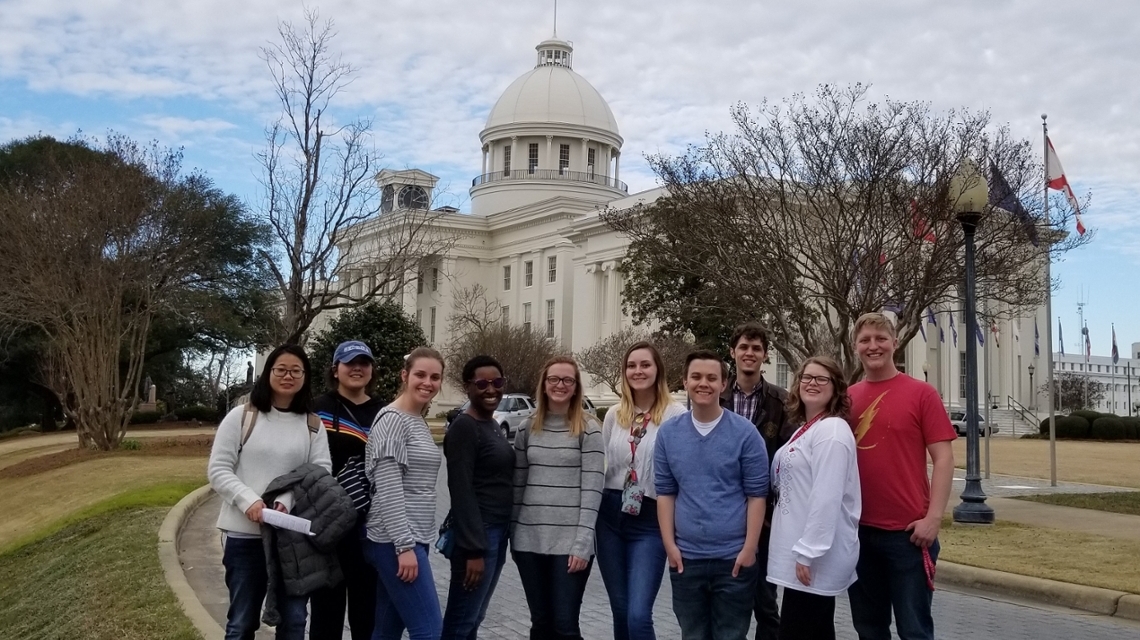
(815, 528)
(631, 555)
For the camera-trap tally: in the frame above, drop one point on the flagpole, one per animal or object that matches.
(1049, 307)
(986, 384)
(1114, 370)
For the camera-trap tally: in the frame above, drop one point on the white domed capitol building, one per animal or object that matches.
(551, 162)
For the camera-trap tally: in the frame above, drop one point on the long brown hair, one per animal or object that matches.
(575, 416)
(840, 403)
(418, 353)
(626, 411)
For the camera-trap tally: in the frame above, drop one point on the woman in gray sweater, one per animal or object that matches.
(559, 473)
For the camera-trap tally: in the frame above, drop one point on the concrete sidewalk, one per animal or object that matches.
(1002, 489)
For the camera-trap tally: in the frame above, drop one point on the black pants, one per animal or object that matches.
(553, 594)
(765, 609)
(807, 616)
(358, 590)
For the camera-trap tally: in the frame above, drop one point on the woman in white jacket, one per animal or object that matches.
(250, 450)
(815, 528)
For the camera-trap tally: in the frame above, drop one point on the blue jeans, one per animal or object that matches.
(247, 582)
(553, 594)
(466, 609)
(891, 575)
(631, 557)
(403, 605)
(709, 603)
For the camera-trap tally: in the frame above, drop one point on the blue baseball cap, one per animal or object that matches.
(348, 351)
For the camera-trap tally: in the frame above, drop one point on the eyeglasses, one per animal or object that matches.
(554, 381)
(282, 372)
(819, 380)
(482, 383)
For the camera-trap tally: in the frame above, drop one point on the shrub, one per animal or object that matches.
(1109, 428)
(197, 412)
(1089, 414)
(1072, 427)
(1132, 424)
(130, 445)
(146, 417)
(602, 413)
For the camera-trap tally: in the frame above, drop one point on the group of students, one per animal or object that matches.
(822, 489)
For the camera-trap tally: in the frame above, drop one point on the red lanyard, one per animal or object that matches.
(634, 438)
(802, 430)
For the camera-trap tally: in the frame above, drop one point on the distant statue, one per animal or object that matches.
(249, 372)
(148, 384)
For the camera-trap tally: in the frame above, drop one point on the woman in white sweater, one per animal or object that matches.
(256, 443)
(815, 528)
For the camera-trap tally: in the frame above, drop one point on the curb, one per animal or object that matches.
(168, 535)
(1073, 596)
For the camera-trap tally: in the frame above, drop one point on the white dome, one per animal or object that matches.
(553, 93)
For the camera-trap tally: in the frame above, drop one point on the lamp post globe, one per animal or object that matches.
(969, 194)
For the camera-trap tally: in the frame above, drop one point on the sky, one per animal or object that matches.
(190, 75)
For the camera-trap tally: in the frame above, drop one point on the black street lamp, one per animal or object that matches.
(969, 191)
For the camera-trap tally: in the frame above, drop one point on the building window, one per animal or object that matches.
(507, 278)
(961, 375)
(552, 269)
(563, 158)
(420, 282)
(434, 279)
(526, 316)
(506, 160)
(528, 273)
(420, 318)
(532, 157)
(592, 154)
(506, 310)
(782, 373)
(549, 318)
(431, 326)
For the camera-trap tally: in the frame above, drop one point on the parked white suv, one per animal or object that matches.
(958, 419)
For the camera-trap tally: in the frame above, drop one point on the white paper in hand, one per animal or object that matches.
(286, 521)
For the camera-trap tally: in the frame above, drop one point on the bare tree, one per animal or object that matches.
(333, 250)
(1072, 392)
(477, 328)
(603, 360)
(100, 241)
(814, 212)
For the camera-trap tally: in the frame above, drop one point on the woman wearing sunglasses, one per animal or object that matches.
(480, 467)
(815, 527)
(559, 464)
(631, 555)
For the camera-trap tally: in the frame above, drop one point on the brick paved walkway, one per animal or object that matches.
(958, 615)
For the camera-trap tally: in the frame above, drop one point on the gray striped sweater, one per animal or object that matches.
(402, 461)
(558, 487)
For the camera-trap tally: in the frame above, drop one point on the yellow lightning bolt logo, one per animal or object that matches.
(865, 421)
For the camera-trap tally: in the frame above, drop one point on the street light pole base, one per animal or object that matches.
(973, 511)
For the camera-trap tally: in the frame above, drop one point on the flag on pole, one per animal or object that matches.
(1055, 179)
(922, 228)
(1088, 343)
(953, 330)
(981, 335)
(1036, 339)
(1002, 196)
(1115, 351)
(997, 334)
(1060, 337)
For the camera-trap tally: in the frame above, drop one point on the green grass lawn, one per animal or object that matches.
(1122, 502)
(97, 576)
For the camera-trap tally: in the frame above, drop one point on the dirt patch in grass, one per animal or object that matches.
(1107, 463)
(1079, 558)
(1120, 502)
(97, 579)
(193, 446)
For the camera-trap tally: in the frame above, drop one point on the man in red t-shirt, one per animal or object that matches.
(898, 420)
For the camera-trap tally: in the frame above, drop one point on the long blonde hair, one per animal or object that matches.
(626, 411)
(575, 416)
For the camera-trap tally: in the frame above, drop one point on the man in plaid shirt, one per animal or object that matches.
(749, 395)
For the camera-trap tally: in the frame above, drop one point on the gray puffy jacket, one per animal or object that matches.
(297, 563)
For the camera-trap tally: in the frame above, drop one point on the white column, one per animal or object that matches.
(549, 147)
(609, 155)
(617, 167)
(585, 154)
(514, 153)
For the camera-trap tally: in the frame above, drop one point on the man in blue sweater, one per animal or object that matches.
(711, 471)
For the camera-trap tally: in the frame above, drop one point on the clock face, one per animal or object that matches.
(386, 197)
(413, 197)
